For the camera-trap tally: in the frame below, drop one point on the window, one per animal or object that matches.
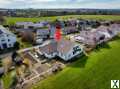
(76, 49)
(69, 55)
(9, 45)
(3, 40)
(8, 40)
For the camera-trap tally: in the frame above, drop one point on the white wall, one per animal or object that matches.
(50, 56)
(70, 54)
(6, 37)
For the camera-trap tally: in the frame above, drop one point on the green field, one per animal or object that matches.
(12, 20)
(93, 72)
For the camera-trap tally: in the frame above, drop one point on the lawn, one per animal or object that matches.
(93, 72)
(13, 20)
(24, 44)
(7, 79)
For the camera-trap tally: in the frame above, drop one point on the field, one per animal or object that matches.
(13, 20)
(93, 72)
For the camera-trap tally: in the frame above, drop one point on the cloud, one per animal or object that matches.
(60, 4)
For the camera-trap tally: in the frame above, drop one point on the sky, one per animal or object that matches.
(42, 4)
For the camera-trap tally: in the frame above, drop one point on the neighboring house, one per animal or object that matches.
(99, 35)
(105, 30)
(24, 24)
(61, 49)
(40, 24)
(86, 24)
(22, 29)
(7, 39)
(41, 34)
(69, 30)
(90, 38)
(115, 28)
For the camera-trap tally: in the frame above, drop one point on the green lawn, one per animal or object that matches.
(24, 44)
(7, 79)
(93, 72)
(12, 20)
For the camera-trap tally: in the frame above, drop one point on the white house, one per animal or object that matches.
(7, 39)
(64, 49)
(68, 50)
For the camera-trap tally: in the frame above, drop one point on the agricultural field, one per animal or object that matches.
(92, 72)
(13, 20)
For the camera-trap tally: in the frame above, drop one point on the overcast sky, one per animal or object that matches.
(98, 4)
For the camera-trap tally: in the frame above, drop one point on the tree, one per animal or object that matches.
(27, 36)
(17, 45)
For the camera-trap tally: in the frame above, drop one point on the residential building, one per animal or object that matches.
(49, 50)
(41, 34)
(40, 24)
(106, 31)
(25, 25)
(61, 49)
(68, 50)
(7, 39)
(114, 28)
(69, 30)
(90, 38)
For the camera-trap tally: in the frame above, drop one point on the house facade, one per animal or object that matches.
(41, 34)
(66, 52)
(7, 39)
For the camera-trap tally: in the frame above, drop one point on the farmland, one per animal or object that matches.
(13, 20)
(92, 72)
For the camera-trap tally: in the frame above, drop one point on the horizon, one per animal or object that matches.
(62, 4)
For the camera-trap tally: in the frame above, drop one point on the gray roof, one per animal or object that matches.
(49, 48)
(3, 30)
(19, 30)
(62, 46)
(88, 37)
(115, 27)
(43, 32)
(103, 28)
